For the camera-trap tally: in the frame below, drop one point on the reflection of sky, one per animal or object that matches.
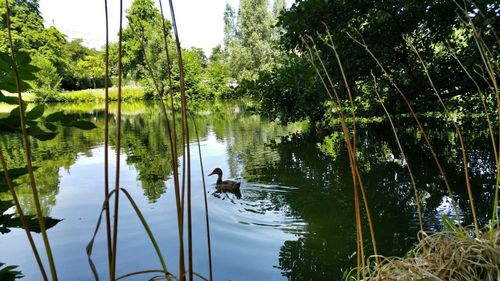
(247, 233)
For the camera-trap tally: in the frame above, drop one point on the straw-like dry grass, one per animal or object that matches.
(443, 256)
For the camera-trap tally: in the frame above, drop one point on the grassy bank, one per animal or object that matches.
(97, 95)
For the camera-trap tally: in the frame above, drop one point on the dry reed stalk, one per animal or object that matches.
(444, 256)
(352, 161)
(350, 143)
(417, 121)
(486, 57)
(118, 145)
(365, 199)
(22, 218)
(394, 131)
(458, 132)
(27, 150)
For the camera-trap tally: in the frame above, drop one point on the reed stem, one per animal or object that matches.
(394, 131)
(27, 151)
(22, 217)
(187, 155)
(459, 134)
(106, 143)
(118, 145)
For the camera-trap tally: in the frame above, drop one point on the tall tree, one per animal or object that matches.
(249, 42)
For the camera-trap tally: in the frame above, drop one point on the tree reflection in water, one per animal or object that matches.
(304, 182)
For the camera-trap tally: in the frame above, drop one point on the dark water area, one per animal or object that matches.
(294, 218)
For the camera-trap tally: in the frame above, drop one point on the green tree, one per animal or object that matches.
(248, 39)
(93, 67)
(216, 78)
(384, 26)
(48, 80)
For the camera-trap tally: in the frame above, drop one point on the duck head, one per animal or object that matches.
(216, 171)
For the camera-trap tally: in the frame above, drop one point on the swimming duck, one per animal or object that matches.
(227, 185)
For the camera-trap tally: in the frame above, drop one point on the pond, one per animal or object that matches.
(294, 219)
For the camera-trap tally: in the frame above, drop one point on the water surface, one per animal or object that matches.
(294, 219)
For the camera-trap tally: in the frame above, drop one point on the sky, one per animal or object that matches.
(200, 22)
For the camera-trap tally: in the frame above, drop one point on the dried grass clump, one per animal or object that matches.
(444, 256)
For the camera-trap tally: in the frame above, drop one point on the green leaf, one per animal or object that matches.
(22, 58)
(8, 99)
(81, 124)
(10, 125)
(36, 112)
(50, 126)
(450, 226)
(32, 223)
(8, 273)
(55, 117)
(5, 205)
(40, 134)
(13, 173)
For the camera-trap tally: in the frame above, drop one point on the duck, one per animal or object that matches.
(227, 185)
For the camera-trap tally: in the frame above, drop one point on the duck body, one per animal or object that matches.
(227, 185)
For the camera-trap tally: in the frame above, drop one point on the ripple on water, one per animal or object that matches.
(263, 206)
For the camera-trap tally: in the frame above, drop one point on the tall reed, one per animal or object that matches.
(458, 132)
(173, 146)
(415, 118)
(22, 217)
(106, 142)
(313, 57)
(403, 155)
(491, 70)
(118, 144)
(186, 175)
(27, 150)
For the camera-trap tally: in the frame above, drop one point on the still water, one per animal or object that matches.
(294, 219)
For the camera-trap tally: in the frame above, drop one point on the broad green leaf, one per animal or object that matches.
(40, 134)
(8, 85)
(8, 99)
(5, 205)
(14, 113)
(81, 124)
(33, 223)
(17, 172)
(3, 184)
(36, 112)
(9, 274)
(50, 126)
(22, 58)
(10, 125)
(55, 117)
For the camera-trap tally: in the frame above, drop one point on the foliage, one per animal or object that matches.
(291, 92)
(8, 273)
(431, 26)
(216, 77)
(248, 39)
(48, 80)
(92, 66)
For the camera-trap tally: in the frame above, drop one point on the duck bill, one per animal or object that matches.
(212, 173)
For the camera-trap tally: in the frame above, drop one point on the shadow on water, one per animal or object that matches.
(294, 215)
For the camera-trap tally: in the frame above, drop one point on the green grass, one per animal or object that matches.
(97, 95)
